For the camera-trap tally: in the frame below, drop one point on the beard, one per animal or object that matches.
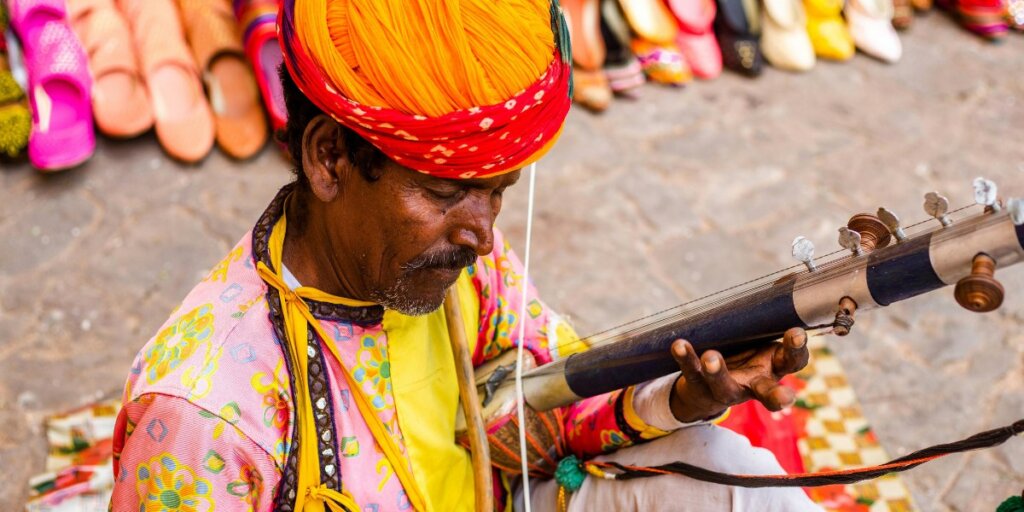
(420, 286)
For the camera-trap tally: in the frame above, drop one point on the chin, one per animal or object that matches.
(415, 295)
(416, 308)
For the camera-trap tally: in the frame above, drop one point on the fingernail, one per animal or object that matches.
(713, 365)
(799, 340)
(679, 349)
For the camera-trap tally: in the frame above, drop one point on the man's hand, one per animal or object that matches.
(710, 383)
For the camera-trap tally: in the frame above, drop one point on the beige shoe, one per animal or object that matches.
(784, 39)
(871, 27)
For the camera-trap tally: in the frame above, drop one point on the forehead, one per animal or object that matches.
(502, 180)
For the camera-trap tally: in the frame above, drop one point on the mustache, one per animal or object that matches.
(447, 259)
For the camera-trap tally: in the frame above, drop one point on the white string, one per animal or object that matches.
(520, 400)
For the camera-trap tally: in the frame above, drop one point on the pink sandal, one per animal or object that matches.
(697, 37)
(59, 85)
(258, 19)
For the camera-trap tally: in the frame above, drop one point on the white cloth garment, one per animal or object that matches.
(705, 445)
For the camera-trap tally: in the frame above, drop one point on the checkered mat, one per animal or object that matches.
(825, 430)
(836, 435)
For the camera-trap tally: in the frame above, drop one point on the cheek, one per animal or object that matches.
(416, 226)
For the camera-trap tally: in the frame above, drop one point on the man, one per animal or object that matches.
(311, 370)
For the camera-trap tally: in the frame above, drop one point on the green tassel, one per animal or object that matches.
(570, 474)
(562, 41)
(1012, 504)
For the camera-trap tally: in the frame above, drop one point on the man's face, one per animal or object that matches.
(415, 233)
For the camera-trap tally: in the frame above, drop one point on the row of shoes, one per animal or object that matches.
(620, 44)
(991, 19)
(124, 67)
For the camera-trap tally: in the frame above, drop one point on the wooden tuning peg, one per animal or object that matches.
(844, 317)
(980, 292)
(874, 234)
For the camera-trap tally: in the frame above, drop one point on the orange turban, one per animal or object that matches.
(454, 88)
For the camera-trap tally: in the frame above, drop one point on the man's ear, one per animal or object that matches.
(324, 157)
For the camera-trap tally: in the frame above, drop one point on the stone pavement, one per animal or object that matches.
(651, 204)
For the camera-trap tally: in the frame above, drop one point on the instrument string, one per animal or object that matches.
(824, 264)
(832, 265)
(520, 395)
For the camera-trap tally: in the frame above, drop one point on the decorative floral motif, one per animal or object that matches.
(373, 371)
(247, 487)
(612, 440)
(276, 399)
(197, 378)
(243, 308)
(213, 462)
(178, 341)
(230, 414)
(220, 271)
(165, 485)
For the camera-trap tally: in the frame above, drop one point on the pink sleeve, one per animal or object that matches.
(593, 426)
(170, 453)
(498, 281)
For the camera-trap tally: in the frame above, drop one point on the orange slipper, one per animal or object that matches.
(591, 88)
(120, 102)
(241, 125)
(584, 20)
(184, 122)
(651, 20)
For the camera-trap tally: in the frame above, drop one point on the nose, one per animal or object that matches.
(474, 225)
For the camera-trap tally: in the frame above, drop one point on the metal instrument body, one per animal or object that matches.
(916, 265)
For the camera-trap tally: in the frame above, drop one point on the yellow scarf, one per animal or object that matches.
(424, 385)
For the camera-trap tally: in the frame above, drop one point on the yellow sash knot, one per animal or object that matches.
(334, 500)
(313, 495)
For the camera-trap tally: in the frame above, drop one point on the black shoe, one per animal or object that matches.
(738, 37)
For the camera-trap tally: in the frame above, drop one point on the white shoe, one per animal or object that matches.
(784, 39)
(871, 27)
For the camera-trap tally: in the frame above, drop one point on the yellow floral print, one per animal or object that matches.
(373, 371)
(166, 485)
(220, 271)
(276, 398)
(178, 341)
(197, 378)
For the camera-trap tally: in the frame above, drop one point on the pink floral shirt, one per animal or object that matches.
(207, 417)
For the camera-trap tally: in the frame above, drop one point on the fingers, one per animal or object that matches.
(721, 384)
(773, 395)
(686, 358)
(792, 355)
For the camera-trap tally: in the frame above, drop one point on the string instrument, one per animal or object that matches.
(882, 262)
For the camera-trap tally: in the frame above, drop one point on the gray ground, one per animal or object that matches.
(651, 204)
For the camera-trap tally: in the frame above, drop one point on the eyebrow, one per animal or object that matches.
(481, 182)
